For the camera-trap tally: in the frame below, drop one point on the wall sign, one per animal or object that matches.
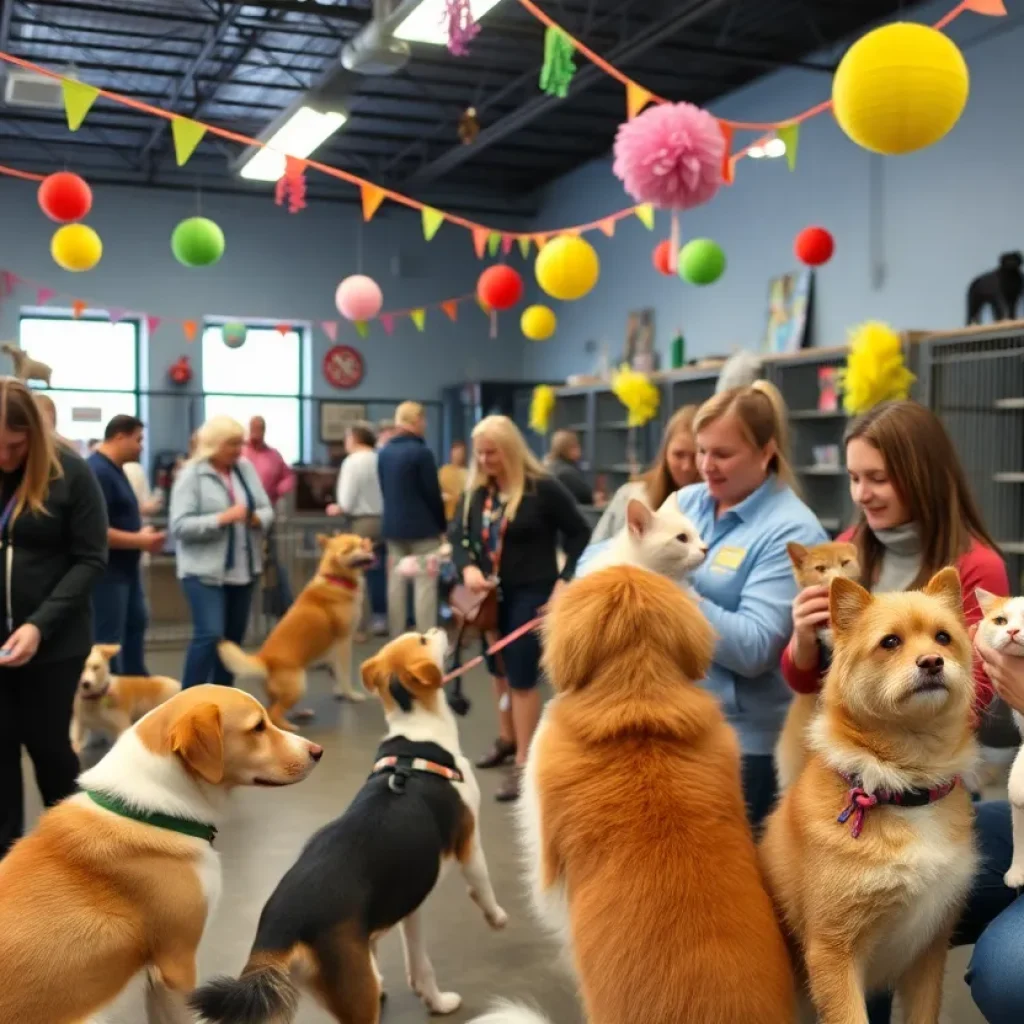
(343, 367)
(337, 417)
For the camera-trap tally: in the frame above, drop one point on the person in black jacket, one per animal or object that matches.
(413, 522)
(507, 538)
(563, 462)
(53, 531)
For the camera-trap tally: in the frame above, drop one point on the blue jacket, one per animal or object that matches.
(746, 590)
(413, 509)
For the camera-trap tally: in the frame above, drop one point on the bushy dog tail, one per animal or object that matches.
(791, 750)
(265, 994)
(238, 663)
(510, 1013)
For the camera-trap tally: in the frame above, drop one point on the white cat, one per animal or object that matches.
(1002, 628)
(665, 542)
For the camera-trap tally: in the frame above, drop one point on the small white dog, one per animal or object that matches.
(25, 367)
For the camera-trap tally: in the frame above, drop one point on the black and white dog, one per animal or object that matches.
(373, 867)
(999, 289)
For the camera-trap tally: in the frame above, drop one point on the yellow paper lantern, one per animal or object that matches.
(538, 323)
(900, 88)
(76, 247)
(567, 268)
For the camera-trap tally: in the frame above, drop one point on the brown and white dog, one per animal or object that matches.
(122, 877)
(869, 855)
(109, 705)
(373, 867)
(638, 850)
(317, 627)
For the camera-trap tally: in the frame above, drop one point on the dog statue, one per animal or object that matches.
(25, 367)
(999, 289)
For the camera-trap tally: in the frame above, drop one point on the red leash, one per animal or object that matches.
(500, 645)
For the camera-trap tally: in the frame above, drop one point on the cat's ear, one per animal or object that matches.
(985, 599)
(638, 518)
(797, 553)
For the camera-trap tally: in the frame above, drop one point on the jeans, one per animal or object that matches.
(760, 788)
(377, 582)
(218, 613)
(424, 588)
(119, 616)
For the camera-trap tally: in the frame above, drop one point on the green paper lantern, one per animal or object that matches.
(234, 335)
(701, 261)
(197, 242)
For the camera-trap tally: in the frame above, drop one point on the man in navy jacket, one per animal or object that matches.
(414, 521)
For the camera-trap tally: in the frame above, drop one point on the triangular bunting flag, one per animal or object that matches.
(153, 324)
(636, 99)
(480, 242)
(330, 328)
(373, 196)
(993, 8)
(187, 135)
(493, 241)
(790, 135)
(189, 328)
(727, 164)
(363, 328)
(78, 98)
(44, 295)
(507, 241)
(419, 318)
(388, 322)
(645, 214)
(484, 308)
(524, 246)
(432, 221)
(540, 241)
(283, 329)
(8, 279)
(78, 307)
(451, 309)
(116, 314)
(608, 226)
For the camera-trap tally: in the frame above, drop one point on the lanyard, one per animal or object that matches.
(490, 516)
(5, 516)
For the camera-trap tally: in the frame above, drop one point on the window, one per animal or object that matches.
(261, 378)
(95, 370)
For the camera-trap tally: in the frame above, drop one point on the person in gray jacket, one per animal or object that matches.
(218, 509)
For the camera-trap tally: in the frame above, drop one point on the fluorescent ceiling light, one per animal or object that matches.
(774, 148)
(426, 23)
(755, 152)
(299, 136)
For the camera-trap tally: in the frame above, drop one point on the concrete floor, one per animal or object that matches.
(267, 828)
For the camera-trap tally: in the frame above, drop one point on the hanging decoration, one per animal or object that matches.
(538, 323)
(432, 221)
(637, 393)
(78, 308)
(814, 246)
(645, 214)
(559, 67)
(197, 242)
(469, 126)
(78, 100)
(542, 405)
(362, 328)
(372, 196)
(567, 268)
(419, 318)
(637, 98)
(359, 298)
(461, 26)
(76, 247)
(789, 135)
(662, 258)
(524, 247)
(874, 371)
(180, 371)
(387, 321)
(450, 308)
(189, 329)
(330, 328)
(291, 186)
(65, 197)
(234, 334)
(701, 261)
(500, 287)
(900, 88)
(187, 135)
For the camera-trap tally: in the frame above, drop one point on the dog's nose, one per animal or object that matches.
(316, 751)
(930, 663)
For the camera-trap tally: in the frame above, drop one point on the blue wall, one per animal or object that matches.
(946, 214)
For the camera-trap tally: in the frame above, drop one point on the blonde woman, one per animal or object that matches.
(563, 462)
(674, 467)
(507, 538)
(217, 507)
(53, 533)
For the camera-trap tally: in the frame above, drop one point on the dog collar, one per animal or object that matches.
(186, 826)
(97, 696)
(859, 801)
(400, 768)
(341, 581)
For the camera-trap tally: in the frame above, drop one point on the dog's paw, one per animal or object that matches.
(349, 694)
(445, 1002)
(497, 919)
(1014, 878)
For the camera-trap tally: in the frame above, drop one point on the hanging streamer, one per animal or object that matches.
(461, 25)
(556, 74)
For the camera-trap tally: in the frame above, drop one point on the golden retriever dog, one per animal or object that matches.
(123, 876)
(317, 627)
(109, 705)
(869, 855)
(638, 850)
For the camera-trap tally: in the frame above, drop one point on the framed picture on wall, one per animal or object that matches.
(789, 312)
(640, 340)
(337, 417)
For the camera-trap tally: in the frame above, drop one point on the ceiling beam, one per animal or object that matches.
(6, 10)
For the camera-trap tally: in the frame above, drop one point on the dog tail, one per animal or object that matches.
(266, 993)
(504, 1012)
(238, 663)
(791, 750)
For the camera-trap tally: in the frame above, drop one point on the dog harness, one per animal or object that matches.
(400, 768)
(186, 826)
(859, 801)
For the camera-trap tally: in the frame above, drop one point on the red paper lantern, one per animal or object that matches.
(500, 287)
(662, 258)
(814, 246)
(65, 197)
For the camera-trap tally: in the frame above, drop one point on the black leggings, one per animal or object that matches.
(35, 713)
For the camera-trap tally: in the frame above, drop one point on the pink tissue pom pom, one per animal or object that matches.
(670, 155)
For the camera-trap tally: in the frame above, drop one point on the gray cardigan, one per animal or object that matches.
(197, 499)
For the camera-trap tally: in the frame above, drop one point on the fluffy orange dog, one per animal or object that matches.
(870, 855)
(317, 627)
(122, 877)
(638, 848)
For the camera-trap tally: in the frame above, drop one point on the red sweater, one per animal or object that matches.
(980, 567)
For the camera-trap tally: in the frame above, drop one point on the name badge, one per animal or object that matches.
(728, 559)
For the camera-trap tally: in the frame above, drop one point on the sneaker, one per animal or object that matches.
(501, 753)
(508, 791)
(379, 627)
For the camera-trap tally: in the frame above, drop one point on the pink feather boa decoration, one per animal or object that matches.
(670, 155)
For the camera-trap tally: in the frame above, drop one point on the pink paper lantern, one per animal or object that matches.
(359, 298)
(670, 155)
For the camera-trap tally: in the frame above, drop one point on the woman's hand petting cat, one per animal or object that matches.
(1006, 673)
(810, 611)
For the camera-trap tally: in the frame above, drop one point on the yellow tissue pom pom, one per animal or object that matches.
(874, 371)
(542, 405)
(640, 397)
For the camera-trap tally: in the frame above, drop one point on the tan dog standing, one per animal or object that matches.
(109, 705)
(870, 853)
(317, 627)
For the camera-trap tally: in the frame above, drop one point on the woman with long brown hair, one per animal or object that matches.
(53, 539)
(674, 467)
